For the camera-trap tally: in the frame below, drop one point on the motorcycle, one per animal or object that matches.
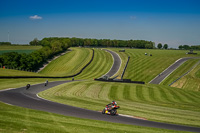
(110, 110)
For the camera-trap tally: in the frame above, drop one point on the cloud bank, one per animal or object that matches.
(35, 17)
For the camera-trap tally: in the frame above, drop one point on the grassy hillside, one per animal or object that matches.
(71, 63)
(100, 65)
(68, 64)
(143, 67)
(10, 72)
(191, 81)
(185, 67)
(154, 102)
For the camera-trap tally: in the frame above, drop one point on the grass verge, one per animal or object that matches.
(185, 67)
(190, 81)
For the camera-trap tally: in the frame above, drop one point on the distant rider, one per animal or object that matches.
(28, 86)
(46, 83)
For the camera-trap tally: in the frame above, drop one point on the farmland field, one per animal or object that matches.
(18, 49)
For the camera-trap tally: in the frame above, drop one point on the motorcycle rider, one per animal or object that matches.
(110, 106)
(114, 104)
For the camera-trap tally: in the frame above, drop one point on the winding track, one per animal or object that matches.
(29, 99)
(116, 64)
(158, 79)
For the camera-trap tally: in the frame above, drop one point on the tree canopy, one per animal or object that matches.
(165, 46)
(74, 42)
(36, 59)
(159, 45)
(187, 47)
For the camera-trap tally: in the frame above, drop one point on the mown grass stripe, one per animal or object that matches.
(175, 95)
(139, 93)
(164, 95)
(126, 93)
(101, 64)
(188, 98)
(152, 94)
(113, 92)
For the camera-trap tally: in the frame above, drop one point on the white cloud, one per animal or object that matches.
(35, 17)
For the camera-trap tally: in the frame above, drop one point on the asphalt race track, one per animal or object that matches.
(169, 70)
(116, 65)
(29, 99)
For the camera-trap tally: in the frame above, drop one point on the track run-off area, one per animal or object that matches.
(30, 99)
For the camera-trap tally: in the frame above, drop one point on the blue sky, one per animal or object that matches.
(175, 22)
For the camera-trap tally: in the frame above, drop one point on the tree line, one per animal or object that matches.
(55, 45)
(74, 42)
(34, 60)
(187, 47)
(5, 43)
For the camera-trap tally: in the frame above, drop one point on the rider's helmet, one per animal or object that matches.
(114, 103)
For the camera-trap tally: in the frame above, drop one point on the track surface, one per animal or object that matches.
(169, 70)
(29, 99)
(116, 65)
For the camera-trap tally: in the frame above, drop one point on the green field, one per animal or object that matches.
(143, 67)
(18, 49)
(68, 64)
(11, 72)
(154, 102)
(21, 120)
(185, 67)
(100, 65)
(191, 81)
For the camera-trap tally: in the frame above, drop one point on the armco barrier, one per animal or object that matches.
(53, 77)
(125, 67)
(121, 81)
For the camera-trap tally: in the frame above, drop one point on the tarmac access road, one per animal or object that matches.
(158, 79)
